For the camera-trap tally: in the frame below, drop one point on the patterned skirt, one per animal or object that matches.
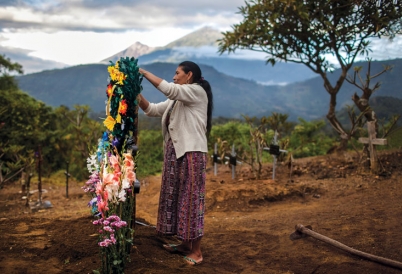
(182, 196)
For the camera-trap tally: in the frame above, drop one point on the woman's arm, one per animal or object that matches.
(143, 103)
(153, 79)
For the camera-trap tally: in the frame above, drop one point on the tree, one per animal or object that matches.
(362, 103)
(6, 66)
(309, 31)
(81, 135)
(25, 123)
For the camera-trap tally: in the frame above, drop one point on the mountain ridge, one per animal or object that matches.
(201, 47)
(135, 50)
(233, 97)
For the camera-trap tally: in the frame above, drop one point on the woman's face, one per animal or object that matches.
(180, 77)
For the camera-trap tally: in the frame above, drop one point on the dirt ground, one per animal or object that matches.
(248, 223)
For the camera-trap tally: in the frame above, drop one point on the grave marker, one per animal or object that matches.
(39, 204)
(275, 151)
(372, 141)
(232, 160)
(67, 176)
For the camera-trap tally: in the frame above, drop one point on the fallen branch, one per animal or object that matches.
(302, 231)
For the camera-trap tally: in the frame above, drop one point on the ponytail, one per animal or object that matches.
(197, 78)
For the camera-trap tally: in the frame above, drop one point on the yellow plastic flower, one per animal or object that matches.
(116, 74)
(109, 123)
(118, 118)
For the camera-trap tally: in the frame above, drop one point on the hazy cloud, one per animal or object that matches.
(84, 31)
(385, 48)
(30, 64)
(103, 16)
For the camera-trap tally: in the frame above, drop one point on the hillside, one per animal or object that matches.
(248, 223)
(86, 84)
(233, 96)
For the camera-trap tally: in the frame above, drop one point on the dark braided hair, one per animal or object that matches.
(188, 66)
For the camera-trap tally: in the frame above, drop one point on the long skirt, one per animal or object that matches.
(182, 196)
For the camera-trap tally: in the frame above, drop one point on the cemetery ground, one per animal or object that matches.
(248, 222)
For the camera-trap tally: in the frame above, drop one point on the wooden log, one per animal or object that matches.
(302, 229)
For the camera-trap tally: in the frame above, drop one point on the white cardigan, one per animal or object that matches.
(188, 120)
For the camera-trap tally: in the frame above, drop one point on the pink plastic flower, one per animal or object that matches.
(130, 175)
(114, 161)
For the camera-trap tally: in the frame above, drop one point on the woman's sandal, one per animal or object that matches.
(191, 261)
(172, 248)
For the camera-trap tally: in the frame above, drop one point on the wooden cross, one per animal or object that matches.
(372, 141)
(275, 151)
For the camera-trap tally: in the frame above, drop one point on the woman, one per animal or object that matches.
(186, 122)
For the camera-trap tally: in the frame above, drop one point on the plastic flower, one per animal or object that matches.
(102, 207)
(114, 161)
(115, 142)
(109, 90)
(115, 74)
(109, 123)
(92, 163)
(108, 179)
(123, 107)
(118, 118)
(90, 185)
(130, 175)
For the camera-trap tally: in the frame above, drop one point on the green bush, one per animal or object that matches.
(149, 160)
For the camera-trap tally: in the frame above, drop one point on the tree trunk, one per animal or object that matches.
(333, 91)
(336, 125)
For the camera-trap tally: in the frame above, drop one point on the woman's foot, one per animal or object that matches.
(192, 261)
(173, 248)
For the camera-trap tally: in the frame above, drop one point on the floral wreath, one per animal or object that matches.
(122, 91)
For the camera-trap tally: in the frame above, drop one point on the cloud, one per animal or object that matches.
(86, 31)
(106, 16)
(30, 64)
(384, 48)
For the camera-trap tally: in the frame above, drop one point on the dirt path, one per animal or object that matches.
(248, 224)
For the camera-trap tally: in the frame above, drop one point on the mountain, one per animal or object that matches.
(205, 36)
(135, 50)
(201, 47)
(86, 85)
(384, 106)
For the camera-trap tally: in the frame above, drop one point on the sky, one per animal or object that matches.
(76, 32)
(86, 31)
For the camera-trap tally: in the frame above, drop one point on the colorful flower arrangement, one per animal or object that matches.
(112, 167)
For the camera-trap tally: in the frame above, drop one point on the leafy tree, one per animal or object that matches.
(7, 81)
(307, 139)
(308, 31)
(80, 136)
(225, 136)
(362, 103)
(257, 142)
(25, 123)
(233, 132)
(150, 156)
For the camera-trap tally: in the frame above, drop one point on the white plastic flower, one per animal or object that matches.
(92, 163)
